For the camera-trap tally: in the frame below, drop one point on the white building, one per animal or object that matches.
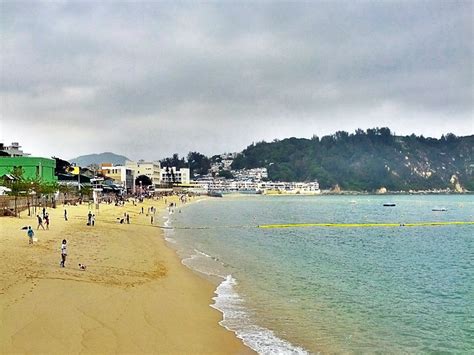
(121, 175)
(174, 175)
(14, 150)
(149, 169)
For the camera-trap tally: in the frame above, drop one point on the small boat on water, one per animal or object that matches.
(389, 204)
(439, 209)
(214, 194)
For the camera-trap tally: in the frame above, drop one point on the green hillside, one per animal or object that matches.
(366, 160)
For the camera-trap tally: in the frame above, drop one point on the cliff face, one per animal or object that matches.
(368, 161)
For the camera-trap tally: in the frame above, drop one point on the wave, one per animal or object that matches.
(195, 263)
(168, 232)
(236, 318)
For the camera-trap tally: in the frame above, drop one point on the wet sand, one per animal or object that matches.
(134, 297)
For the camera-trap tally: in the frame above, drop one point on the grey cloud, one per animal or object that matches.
(189, 68)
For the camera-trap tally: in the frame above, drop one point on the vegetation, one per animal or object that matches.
(366, 160)
(198, 164)
(143, 180)
(361, 161)
(175, 160)
(225, 174)
(32, 189)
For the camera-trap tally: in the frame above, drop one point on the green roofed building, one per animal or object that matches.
(33, 167)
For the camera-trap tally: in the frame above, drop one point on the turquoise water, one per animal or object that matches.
(333, 290)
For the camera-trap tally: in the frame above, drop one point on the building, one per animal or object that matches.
(32, 167)
(121, 175)
(173, 175)
(14, 150)
(149, 169)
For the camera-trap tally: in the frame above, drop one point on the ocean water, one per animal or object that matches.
(336, 290)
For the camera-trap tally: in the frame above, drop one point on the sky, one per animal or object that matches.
(147, 79)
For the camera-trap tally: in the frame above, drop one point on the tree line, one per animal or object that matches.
(365, 160)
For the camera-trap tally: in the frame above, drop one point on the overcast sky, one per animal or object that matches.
(146, 79)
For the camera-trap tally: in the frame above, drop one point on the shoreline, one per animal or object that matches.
(135, 296)
(228, 301)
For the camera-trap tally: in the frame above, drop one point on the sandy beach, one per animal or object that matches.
(134, 297)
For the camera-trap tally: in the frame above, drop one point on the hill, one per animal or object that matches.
(107, 157)
(367, 160)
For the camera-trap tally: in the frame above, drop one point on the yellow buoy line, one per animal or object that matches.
(361, 225)
(331, 225)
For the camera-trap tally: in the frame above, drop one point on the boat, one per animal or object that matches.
(439, 209)
(389, 204)
(214, 194)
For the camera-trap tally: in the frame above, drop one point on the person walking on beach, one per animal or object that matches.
(93, 220)
(151, 219)
(65, 214)
(40, 222)
(44, 212)
(30, 234)
(128, 218)
(63, 253)
(89, 218)
(46, 220)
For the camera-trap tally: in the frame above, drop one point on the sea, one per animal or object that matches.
(365, 289)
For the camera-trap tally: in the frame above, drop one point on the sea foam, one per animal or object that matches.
(237, 319)
(236, 316)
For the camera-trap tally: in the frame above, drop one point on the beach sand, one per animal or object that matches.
(134, 297)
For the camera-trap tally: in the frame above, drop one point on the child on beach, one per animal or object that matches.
(40, 222)
(30, 234)
(63, 253)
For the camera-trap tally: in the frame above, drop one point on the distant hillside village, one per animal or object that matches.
(143, 177)
(371, 161)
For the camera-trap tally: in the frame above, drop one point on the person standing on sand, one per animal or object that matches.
(65, 214)
(93, 220)
(63, 253)
(128, 218)
(30, 234)
(152, 219)
(44, 212)
(40, 222)
(89, 218)
(46, 220)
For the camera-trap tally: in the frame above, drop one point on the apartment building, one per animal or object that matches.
(173, 175)
(121, 175)
(149, 169)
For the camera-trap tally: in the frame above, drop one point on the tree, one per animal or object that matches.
(226, 174)
(143, 180)
(174, 161)
(17, 185)
(198, 164)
